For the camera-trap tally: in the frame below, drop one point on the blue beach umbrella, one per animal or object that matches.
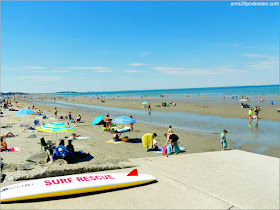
(56, 127)
(97, 120)
(24, 112)
(145, 102)
(124, 120)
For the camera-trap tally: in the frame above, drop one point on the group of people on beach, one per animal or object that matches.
(68, 117)
(250, 113)
(149, 142)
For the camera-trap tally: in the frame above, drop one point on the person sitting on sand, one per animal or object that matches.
(9, 134)
(4, 146)
(147, 140)
(70, 146)
(223, 140)
(62, 152)
(78, 119)
(116, 136)
(174, 140)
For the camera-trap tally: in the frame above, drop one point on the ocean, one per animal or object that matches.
(248, 91)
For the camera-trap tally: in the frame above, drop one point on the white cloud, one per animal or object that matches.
(144, 53)
(184, 71)
(55, 71)
(132, 71)
(103, 71)
(36, 77)
(253, 55)
(136, 64)
(271, 62)
(34, 67)
(86, 68)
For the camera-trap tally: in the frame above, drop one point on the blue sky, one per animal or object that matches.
(105, 46)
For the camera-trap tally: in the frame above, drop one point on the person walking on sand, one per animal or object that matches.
(55, 113)
(223, 140)
(250, 114)
(131, 124)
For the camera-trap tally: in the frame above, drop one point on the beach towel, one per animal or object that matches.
(80, 137)
(122, 130)
(12, 149)
(114, 142)
(160, 150)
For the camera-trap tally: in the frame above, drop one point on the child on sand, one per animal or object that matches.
(170, 129)
(223, 140)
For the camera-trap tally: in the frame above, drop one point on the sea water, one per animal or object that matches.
(265, 135)
(258, 91)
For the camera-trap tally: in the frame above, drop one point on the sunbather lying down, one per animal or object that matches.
(9, 134)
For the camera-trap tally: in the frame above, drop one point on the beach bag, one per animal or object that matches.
(169, 149)
(225, 144)
(177, 148)
(164, 152)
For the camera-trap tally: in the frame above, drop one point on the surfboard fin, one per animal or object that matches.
(134, 172)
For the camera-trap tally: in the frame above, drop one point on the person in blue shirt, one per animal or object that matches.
(223, 140)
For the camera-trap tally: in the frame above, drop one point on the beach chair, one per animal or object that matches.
(44, 144)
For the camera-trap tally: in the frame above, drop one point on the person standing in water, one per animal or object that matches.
(250, 115)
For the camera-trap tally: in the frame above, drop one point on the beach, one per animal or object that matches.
(104, 153)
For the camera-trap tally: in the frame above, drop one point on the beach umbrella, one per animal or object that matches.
(145, 102)
(124, 120)
(97, 120)
(24, 112)
(56, 127)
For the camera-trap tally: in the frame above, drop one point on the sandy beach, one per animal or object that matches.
(104, 153)
(108, 153)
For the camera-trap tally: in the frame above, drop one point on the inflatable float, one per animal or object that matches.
(244, 100)
(72, 184)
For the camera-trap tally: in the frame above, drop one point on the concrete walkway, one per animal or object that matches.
(214, 180)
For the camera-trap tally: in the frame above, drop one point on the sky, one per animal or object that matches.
(85, 46)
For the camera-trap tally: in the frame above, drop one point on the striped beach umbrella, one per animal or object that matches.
(56, 127)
